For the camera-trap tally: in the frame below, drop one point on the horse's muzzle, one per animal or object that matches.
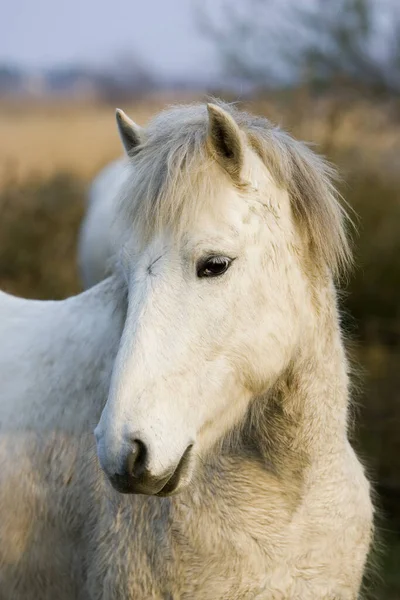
(134, 477)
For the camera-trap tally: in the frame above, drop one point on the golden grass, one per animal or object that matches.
(78, 138)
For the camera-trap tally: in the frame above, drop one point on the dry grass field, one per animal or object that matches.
(79, 138)
(50, 151)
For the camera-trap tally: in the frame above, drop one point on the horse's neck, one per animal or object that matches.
(103, 314)
(304, 419)
(294, 427)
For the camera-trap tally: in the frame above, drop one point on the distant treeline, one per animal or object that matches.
(125, 79)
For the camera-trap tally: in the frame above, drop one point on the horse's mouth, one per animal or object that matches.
(179, 477)
(168, 485)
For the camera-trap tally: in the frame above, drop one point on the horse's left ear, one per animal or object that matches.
(129, 132)
(225, 140)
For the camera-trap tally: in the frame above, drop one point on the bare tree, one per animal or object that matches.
(318, 42)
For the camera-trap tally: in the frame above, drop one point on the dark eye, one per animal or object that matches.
(213, 266)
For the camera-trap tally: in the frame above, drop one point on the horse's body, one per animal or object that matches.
(271, 502)
(96, 241)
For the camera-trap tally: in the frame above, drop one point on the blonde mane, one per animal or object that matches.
(174, 175)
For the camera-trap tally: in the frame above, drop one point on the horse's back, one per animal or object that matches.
(48, 356)
(96, 240)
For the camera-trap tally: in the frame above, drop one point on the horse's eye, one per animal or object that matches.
(213, 266)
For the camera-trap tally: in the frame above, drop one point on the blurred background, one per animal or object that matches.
(329, 72)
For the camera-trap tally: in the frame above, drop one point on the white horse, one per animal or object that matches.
(215, 359)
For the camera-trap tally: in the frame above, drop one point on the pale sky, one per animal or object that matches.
(163, 33)
(41, 33)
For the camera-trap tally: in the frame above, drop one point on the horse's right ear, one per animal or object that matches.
(129, 132)
(225, 140)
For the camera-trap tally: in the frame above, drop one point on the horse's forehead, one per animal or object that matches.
(229, 207)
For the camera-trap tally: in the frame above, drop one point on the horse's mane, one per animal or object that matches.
(174, 174)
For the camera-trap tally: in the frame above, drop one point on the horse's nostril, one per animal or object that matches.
(136, 460)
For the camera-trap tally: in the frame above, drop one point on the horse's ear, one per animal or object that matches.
(129, 132)
(225, 140)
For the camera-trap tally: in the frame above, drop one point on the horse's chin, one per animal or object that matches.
(172, 488)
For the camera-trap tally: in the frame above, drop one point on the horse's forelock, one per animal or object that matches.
(173, 176)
